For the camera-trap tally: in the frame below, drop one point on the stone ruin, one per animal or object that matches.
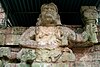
(47, 44)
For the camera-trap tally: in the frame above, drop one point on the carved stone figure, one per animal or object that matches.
(4, 21)
(26, 54)
(50, 39)
(90, 18)
(49, 15)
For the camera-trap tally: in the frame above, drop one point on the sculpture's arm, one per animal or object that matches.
(28, 37)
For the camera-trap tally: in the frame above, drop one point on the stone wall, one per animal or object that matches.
(14, 55)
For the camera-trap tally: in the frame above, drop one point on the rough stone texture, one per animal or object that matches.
(26, 54)
(13, 55)
(1, 63)
(50, 65)
(48, 36)
(55, 41)
(18, 30)
(5, 51)
(16, 65)
(12, 39)
(2, 39)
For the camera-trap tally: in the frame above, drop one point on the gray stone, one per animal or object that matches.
(1, 63)
(5, 51)
(12, 39)
(50, 65)
(2, 39)
(26, 54)
(18, 30)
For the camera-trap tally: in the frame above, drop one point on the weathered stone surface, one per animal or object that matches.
(15, 49)
(80, 64)
(48, 37)
(1, 63)
(12, 39)
(67, 34)
(97, 47)
(26, 54)
(13, 55)
(18, 30)
(5, 51)
(16, 65)
(50, 65)
(28, 38)
(55, 55)
(96, 55)
(2, 39)
(24, 65)
(8, 30)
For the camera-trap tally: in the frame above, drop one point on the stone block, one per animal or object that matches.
(1, 63)
(13, 55)
(12, 39)
(55, 55)
(82, 64)
(15, 49)
(26, 55)
(2, 39)
(8, 30)
(18, 30)
(2, 31)
(50, 65)
(97, 47)
(96, 55)
(16, 65)
(5, 51)
(24, 65)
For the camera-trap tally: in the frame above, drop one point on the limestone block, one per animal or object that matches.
(11, 65)
(95, 64)
(96, 55)
(97, 47)
(55, 55)
(18, 30)
(37, 64)
(2, 31)
(24, 65)
(50, 65)
(15, 49)
(12, 39)
(2, 39)
(16, 65)
(1, 63)
(5, 51)
(79, 64)
(13, 55)
(8, 30)
(26, 54)
(67, 55)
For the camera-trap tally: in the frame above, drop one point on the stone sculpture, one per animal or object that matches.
(50, 40)
(90, 18)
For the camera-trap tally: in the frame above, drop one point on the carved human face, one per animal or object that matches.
(49, 13)
(91, 14)
(94, 28)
